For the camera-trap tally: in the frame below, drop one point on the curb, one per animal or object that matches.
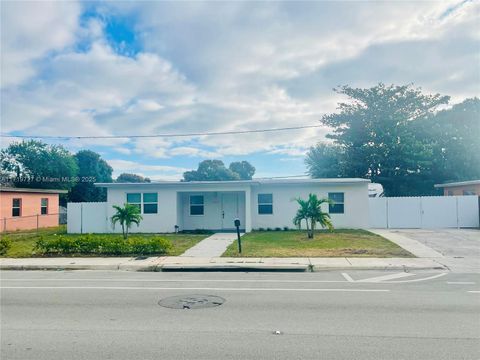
(235, 267)
(215, 267)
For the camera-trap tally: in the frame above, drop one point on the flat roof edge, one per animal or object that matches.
(458, 183)
(29, 190)
(241, 182)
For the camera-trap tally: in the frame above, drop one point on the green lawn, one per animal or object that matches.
(23, 242)
(338, 243)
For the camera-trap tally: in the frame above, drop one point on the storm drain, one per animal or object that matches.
(191, 301)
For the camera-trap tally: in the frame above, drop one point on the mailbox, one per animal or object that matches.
(237, 223)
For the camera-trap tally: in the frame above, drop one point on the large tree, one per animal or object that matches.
(244, 169)
(131, 178)
(91, 168)
(34, 164)
(324, 161)
(378, 131)
(215, 170)
(210, 170)
(455, 137)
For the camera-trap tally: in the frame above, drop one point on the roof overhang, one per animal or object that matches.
(253, 182)
(460, 183)
(28, 190)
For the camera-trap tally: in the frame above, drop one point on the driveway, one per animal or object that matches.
(448, 242)
(460, 248)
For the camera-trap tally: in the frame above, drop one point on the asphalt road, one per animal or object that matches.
(326, 315)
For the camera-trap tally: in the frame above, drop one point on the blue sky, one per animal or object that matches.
(140, 68)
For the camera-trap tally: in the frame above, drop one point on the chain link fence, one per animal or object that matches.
(32, 222)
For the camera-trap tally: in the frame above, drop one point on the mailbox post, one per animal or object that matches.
(237, 225)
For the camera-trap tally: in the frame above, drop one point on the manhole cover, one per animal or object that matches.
(191, 301)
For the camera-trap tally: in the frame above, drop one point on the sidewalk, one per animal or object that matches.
(212, 246)
(183, 263)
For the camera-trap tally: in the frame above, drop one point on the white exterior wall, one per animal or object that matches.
(212, 217)
(174, 207)
(164, 221)
(285, 206)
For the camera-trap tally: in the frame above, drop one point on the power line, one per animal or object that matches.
(159, 135)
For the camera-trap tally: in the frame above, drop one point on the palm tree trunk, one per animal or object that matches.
(312, 227)
(123, 231)
(310, 231)
(308, 228)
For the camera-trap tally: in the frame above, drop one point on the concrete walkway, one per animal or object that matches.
(212, 246)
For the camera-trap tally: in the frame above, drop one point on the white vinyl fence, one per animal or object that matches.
(424, 212)
(87, 218)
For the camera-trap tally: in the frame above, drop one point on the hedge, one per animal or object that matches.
(5, 244)
(102, 245)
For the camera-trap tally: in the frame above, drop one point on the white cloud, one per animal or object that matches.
(157, 172)
(243, 66)
(193, 151)
(30, 30)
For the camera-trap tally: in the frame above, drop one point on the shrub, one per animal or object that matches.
(269, 229)
(153, 245)
(278, 229)
(286, 228)
(261, 229)
(89, 244)
(197, 232)
(5, 244)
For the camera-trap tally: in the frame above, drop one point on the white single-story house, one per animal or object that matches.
(258, 203)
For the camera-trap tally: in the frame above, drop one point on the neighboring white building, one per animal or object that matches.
(214, 205)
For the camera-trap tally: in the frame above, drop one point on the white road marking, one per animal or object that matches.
(348, 277)
(461, 282)
(386, 277)
(180, 288)
(414, 280)
(474, 291)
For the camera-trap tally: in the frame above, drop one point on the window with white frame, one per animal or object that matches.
(265, 204)
(197, 205)
(338, 203)
(44, 206)
(16, 207)
(147, 203)
(150, 203)
(135, 199)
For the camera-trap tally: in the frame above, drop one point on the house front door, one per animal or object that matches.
(229, 210)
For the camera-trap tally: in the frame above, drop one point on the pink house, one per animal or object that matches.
(23, 209)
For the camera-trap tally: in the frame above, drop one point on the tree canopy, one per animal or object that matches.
(215, 170)
(244, 169)
(396, 136)
(131, 178)
(91, 169)
(34, 164)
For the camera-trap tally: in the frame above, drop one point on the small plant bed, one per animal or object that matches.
(56, 242)
(295, 243)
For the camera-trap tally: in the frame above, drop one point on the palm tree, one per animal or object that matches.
(127, 215)
(311, 211)
(302, 214)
